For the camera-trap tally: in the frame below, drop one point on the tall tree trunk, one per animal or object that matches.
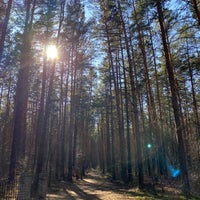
(119, 114)
(21, 98)
(176, 107)
(6, 133)
(130, 175)
(39, 128)
(4, 27)
(43, 148)
(65, 126)
(195, 106)
(123, 170)
(108, 154)
(102, 143)
(60, 163)
(113, 159)
(153, 122)
(134, 103)
(72, 115)
(158, 96)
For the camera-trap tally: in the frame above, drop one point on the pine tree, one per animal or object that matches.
(176, 107)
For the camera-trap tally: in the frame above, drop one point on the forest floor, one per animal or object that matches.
(98, 187)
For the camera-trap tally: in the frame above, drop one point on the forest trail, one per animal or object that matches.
(97, 187)
(93, 187)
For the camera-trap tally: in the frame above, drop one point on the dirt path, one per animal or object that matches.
(97, 187)
(93, 187)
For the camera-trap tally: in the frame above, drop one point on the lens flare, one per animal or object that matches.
(149, 146)
(174, 172)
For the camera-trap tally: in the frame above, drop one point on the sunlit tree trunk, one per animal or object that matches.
(176, 107)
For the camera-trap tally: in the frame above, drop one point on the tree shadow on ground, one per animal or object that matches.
(97, 187)
(75, 192)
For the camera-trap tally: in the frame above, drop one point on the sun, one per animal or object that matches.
(52, 52)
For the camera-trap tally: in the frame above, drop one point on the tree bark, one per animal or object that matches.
(176, 107)
(4, 27)
(135, 105)
(196, 9)
(21, 99)
(129, 166)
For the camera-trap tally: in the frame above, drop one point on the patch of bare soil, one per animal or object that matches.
(97, 187)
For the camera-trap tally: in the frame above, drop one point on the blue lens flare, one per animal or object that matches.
(174, 172)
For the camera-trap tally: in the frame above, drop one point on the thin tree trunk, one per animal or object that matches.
(60, 165)
(135, 106)
(72, 118)
(123, 171)
(63, 134)
(4, 27)
(108, 154)
(130, 175)
(113, 159)
(195, 107)
(5, 132)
